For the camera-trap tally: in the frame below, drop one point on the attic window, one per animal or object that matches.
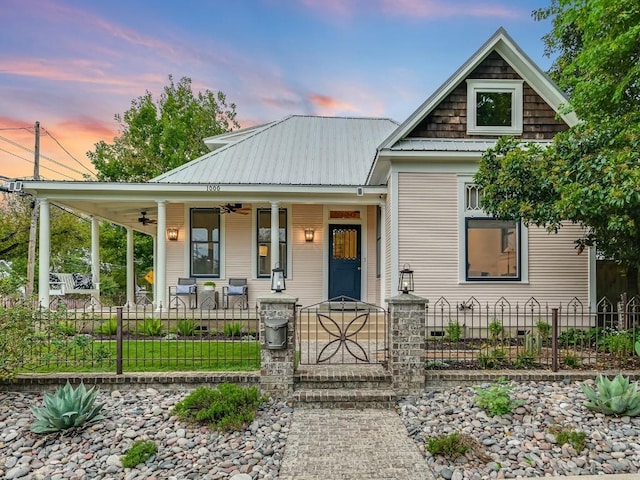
(494, 107)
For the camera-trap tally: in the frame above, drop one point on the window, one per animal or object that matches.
(492, 247)
(264, 241)
(205, 242)
(494, 107)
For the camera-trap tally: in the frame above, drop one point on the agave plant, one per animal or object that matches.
(66, 408)
(617, 397)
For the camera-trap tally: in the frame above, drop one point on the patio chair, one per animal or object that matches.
(185, 287)
(236, 290)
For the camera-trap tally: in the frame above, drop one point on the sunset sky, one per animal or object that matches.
(73, 64)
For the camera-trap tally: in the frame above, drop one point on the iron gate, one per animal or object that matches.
(342, 331)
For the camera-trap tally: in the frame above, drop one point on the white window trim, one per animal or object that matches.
(463, 214)
(514, 87)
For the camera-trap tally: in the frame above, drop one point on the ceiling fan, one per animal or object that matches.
(234, 208)
(144, 220)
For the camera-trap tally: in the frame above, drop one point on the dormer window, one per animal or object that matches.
(494, 107)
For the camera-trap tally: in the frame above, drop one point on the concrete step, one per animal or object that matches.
(347, 398)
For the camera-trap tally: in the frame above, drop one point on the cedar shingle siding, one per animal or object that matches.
(449, 119)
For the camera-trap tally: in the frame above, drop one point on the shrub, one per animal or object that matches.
(495, 399)
(575, 438)
(454, 445)
(617, 397)
(617, 342)
(492, 358)
(186, 328)
(571, 360)
(108, 327)
(67, 328)
(151, 327)
(229, 407)
(66, 408)
(496, 330)
(232, 329)
(139, 452)
(544, 329)
(454, 331)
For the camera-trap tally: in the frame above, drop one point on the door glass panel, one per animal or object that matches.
(345, 243)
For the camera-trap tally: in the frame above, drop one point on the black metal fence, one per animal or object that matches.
(469, 334)
(138, 338)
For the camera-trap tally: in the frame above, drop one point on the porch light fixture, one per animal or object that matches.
(405, 285)
(277, 279)
(308, 234)
(172, 234)
(263, 250)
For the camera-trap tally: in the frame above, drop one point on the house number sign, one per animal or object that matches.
(213, 188)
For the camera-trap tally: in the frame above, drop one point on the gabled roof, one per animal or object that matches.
(506, 47)
(298, 150)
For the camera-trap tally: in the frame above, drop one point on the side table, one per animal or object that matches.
(208, 299)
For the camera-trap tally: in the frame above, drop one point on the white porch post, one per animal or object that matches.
(131, 294)
(161, 262)
(275, 235)
(95, 255)
(383, 253)
(44, 253)
(155, 269)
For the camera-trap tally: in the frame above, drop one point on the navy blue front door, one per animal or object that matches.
(344, 261)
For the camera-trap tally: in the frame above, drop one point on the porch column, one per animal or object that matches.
(275, 235)
(407, 342)
(161, 266)
(383, 252)
(44, 253)
(131, 281)
(95, 255)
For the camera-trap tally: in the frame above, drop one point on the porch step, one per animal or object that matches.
(343, 386)
(343, 398)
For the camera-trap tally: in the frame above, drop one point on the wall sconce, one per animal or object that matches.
(308, 234)
(277, 279)
(405, 285)
(172, 234)
(263, 250)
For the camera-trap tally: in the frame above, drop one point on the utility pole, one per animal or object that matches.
(33, 231)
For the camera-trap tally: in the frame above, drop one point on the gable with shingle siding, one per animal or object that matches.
(449, 118)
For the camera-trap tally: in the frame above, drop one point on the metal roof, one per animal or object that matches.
(448, 145)
(299, 150)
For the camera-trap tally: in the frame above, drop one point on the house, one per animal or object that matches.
(352, 200)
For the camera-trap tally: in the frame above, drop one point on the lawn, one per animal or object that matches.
(151, 356)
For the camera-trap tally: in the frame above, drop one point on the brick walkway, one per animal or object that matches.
(336, 444)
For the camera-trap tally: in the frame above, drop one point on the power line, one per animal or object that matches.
(15, 144)
(48, 132)
(31, 161)
(16, 128)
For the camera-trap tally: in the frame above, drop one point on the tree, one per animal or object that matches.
(157, 136)
(589, 175)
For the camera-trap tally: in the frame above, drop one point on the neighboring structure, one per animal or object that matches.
(353, 200)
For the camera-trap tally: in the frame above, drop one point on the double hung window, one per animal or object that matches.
(205, 242)
(264, 241)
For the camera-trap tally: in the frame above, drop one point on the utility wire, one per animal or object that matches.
(31, 161)
(16, 128)
(48, 132)
(41, 156)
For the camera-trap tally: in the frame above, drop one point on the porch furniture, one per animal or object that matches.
(186, 287)
(142, 296)
(236, 290)
(72, 283)
(208, 299)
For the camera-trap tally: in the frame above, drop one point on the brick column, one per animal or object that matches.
(407, 343)
(276, 374)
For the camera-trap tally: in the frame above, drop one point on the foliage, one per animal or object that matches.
(544, 329)
(588, 175)
(617, 342)
(638, 347)
(108, 327)
(67, 328)
(186, 328)
(496, 330)
(151, 327)
(571, 360)
(159, 135)
(575, 336)
(454, 331)
(23, 332)
(66, 408)
(229, 407)
(454, 445)
(139, 452)
(617, 397)
(495, 399)
(575, 438)
(209, 284)
(232, 329)
(491, 357)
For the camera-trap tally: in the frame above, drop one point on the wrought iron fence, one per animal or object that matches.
(138, 338)
(469, 334)
(342, 331)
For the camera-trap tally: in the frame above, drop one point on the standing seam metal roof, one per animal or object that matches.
(298, 150)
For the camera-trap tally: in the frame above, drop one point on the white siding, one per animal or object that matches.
(373, 283)
(428, 240)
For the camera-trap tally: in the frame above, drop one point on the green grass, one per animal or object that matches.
(162, 356)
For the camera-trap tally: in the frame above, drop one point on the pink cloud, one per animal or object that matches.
(330, 105)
